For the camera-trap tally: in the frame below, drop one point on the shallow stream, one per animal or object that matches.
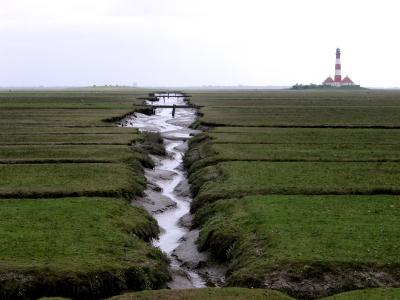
(167, 196)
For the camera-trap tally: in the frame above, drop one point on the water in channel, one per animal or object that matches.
(167, 195)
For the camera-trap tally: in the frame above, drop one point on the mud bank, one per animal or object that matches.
(168, 194)
(33, 284)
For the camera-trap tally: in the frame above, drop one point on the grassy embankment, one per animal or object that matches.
(58, 144)
(368, 294)
(207, 293)
(242, 293)
(298, 191)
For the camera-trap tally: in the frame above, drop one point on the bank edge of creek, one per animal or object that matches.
(167, 196)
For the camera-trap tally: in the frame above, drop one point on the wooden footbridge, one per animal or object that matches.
(155, 97)
(152, 108)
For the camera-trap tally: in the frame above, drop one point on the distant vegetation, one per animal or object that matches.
(311, 86)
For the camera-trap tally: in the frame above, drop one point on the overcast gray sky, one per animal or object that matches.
(197, 42)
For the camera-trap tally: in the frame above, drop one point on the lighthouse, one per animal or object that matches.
(338, 81)
(338, 69)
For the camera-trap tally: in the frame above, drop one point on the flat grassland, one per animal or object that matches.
(370, 294)
(66, 176)
(298, 190)
(90, 179)
(61, 142)
(53, 234)
(206, 293)
(293, 109)
(70, 152)
(304, 229)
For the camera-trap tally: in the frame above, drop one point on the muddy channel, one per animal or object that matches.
(168, 196)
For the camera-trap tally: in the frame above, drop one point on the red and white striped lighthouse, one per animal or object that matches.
(338, 68)
(338, 82)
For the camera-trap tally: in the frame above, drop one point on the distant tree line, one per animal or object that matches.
(300, 86)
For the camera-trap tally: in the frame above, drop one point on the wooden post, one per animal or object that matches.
(173, 111)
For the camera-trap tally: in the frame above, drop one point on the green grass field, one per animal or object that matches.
(332, 98)
(262, 135)
(292, 144)
(39, 180)
(338, 230)
(111, 153)
(65, 138)
(57, 147)
(200, 294)
(302, 116)
(368, 294)
(63, 246)
(56, 142)
(274, 177)
(69, 130)
(294, 108)
(69, 234)
(242, 293)
(71, 99)
(307, 152)
(58, 117)
(241, 178)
